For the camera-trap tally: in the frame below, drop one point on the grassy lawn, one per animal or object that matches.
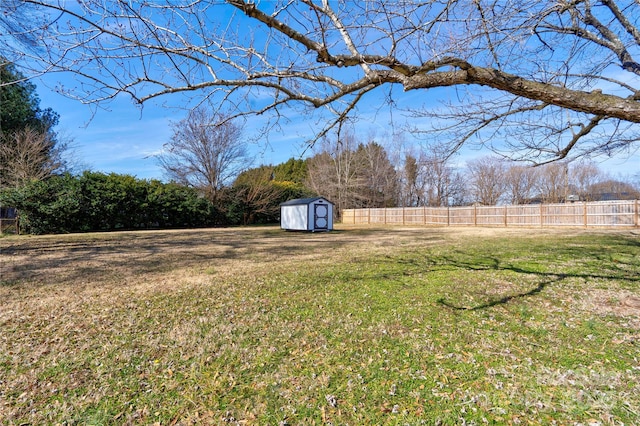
(358, 326)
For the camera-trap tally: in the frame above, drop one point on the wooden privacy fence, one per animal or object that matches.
(586, 214)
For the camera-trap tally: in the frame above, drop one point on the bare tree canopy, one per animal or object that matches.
(27, 155)
(206, 151)
(353, 174)
(544, 80)
(487, 180)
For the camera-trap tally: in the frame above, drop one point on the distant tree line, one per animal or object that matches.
(357, 174)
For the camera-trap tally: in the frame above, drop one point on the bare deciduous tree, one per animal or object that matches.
(520, 182)
(582, 177)
(333, 173)
(430, 180)
(257, 193)
(487, 180)
(441, 184)
(353, 175)
(553, 79)
(27, 155)
(206, 151)
(613, 189)
(553, 182)
(379, 176)
(634, 180)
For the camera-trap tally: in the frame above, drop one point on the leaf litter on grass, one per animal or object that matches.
(255, 326)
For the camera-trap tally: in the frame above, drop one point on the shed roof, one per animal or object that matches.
(299, 201)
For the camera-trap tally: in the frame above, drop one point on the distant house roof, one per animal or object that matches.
(299, 201)
(613, 196)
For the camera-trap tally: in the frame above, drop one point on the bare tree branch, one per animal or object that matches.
(286, 57)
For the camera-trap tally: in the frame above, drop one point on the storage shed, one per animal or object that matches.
(307, 214)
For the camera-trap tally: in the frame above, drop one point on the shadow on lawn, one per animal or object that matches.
(548, 278)
(501, 301)
(619, 262)
(96, 257)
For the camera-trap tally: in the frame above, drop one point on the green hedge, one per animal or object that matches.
(100, 202)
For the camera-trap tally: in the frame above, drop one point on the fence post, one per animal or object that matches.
(505, 216)
(475, 215)
(586, 222)
(541, 215)
(637, 218)
(448, 216)
(403, 215)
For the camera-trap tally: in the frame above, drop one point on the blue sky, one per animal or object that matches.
(122, 138)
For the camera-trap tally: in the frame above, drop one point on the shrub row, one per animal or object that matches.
(99, 202)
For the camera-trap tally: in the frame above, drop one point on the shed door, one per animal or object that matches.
(321, 216)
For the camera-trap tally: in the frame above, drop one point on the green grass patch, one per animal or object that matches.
(361, 326)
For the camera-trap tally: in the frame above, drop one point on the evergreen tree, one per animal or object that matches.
(29, 148)
(293, 170)
(20, 104)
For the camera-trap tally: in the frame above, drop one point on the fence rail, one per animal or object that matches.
(583, 214)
